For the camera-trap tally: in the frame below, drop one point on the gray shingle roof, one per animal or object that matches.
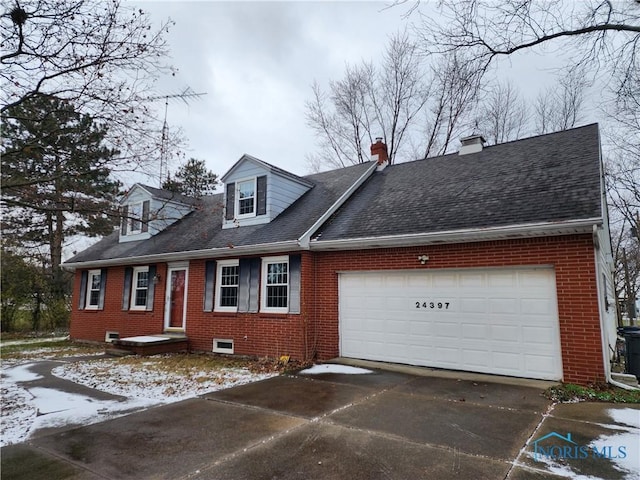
(548, 178)
(202, 228)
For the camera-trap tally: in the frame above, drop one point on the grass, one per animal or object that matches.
(186, 364)
(601, 392)
(53, 349)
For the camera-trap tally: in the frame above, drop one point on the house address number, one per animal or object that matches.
(433, 305)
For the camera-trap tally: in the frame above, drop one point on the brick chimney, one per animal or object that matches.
(379, 151)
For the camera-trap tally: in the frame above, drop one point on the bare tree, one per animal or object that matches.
(372, 100)
(100, 56)
(560, 106)
(454, 88)
(602, 34)
(502, 114)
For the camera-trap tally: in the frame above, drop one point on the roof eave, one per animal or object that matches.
(570, 227)
(230, 251)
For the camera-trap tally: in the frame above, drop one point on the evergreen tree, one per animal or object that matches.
(192, 179)
(55, 178)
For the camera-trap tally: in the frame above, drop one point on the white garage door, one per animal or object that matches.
(501, 321)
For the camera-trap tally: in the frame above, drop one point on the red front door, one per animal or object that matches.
(176, 309)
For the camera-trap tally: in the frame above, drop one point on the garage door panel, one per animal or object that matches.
(496, 321)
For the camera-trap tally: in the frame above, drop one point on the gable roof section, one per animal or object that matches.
(266, 166)
(200, 234)
(548, 179)
(161, 194)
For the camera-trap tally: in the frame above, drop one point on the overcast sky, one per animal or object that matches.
(256, 61)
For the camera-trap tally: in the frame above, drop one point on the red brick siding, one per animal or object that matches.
(263, 334)
(571, 256)
(93, 324)
(314, 332)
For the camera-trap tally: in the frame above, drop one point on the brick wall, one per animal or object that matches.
(314, 332)
(571, 256)
(93, 324)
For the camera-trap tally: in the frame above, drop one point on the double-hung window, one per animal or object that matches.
(275, 284)
(94, 282)
(246, 198)
(135, 218)
(227, 286)
(140, 288)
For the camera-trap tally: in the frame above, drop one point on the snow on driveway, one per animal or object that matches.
(27, 408)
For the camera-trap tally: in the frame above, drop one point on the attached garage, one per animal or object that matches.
(496, 320)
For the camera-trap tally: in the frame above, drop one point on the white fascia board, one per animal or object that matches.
(461, 236)
(305, 240)
(235, 251)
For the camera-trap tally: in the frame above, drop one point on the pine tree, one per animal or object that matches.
(55, 178)
(192, 179)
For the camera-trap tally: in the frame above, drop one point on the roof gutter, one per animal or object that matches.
(461, 236)
(230, 251)
(305, 240)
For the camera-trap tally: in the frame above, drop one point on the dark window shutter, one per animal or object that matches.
(124, 220)
(262, 195)
(294, 283)
(254, 285)
(145, 215)
(209, 284)
(126, 291)
(84, 275)
(103, 287)
(244, 279)
(230, 202)
(151, 287)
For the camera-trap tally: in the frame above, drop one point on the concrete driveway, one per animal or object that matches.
(388, 424)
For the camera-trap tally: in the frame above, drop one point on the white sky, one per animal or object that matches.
(257, 61)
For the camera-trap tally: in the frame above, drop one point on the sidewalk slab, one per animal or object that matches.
(303, 397)
(321, 451)
(596, 440)
(482, 393)
(166, 442)
(469, 428)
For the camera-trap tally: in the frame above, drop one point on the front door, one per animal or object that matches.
(176, 298)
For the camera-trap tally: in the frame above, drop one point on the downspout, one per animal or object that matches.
(604, 332)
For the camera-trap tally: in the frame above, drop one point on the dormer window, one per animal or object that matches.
(246, 196)
(135, 218)
(256, 192)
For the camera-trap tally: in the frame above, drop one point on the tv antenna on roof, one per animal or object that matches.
(186, 95)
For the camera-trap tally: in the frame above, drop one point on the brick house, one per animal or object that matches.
(492, 259)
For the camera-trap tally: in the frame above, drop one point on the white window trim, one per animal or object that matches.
(134, 287)
(87, 303)
(130, 220)
(237, 198)
(218, 287)
(263, 288)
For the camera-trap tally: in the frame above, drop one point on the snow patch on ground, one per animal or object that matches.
(21, 373)
(136, 382)
(27, 409)
(333, 368)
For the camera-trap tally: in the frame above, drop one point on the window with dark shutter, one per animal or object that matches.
(124, 220)
(209, 278)
(145, 215)
(262, 195)
(230, 201)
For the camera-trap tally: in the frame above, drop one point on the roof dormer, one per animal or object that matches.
(256, 192)
(146, 211)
